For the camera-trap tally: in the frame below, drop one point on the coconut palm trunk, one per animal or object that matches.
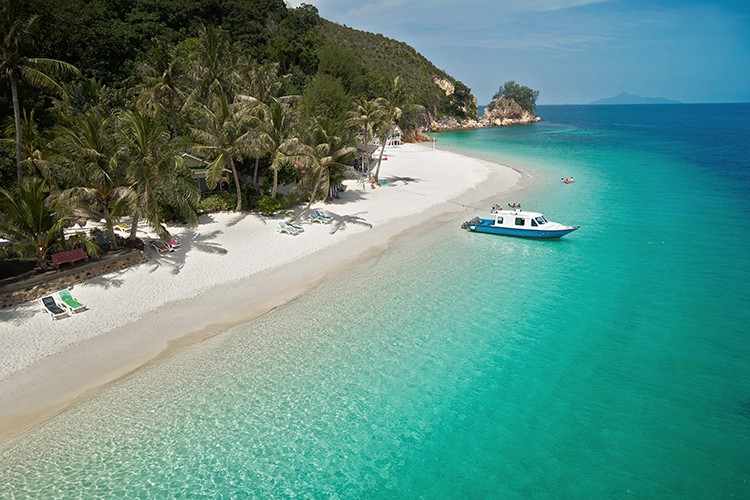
(380, 158)
(134, 225)
(275, 167)
(110, 228)
(17, 118)
(236, 177)
(172, 116)
(255, 172)
(316, 188)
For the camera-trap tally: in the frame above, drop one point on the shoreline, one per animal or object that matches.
(50, 383)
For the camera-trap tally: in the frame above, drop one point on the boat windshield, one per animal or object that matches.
(541, 220)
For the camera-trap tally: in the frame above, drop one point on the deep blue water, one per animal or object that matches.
(614, 363)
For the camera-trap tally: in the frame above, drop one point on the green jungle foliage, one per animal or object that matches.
(221, 202)
(267, 205)
(523, 96)
(111, 95)
(106, 39)
(371, 61)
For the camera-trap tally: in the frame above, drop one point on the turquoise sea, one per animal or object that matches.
(613, 363)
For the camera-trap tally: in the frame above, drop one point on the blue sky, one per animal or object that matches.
(572, 51)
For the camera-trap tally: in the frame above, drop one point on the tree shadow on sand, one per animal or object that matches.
(108, 281)
(340, 221)
(207, 219)
(190, 241)
(406, 180)
(20, 313)
(202, 242)
(175, 260)
(237, 218)
(348, 196)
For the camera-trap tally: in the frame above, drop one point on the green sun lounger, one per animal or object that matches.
(69, 302)
(285, 228)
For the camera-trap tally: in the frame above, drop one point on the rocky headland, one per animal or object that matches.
(502, 112)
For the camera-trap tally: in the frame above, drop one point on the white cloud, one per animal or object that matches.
(550, 5)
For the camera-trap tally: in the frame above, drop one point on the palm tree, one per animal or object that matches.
(154, 172)
(222, 130)
(101, 190)
(277, 135)
(262, 83)
(84, 95)
(367, 117)
(262, 80)
(212, 65)
(30, 220)
(161, 88)
(322, 152)
(32, 148)
(391, 112)
(15, 64)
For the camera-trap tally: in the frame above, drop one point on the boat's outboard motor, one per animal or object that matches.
(473, 222)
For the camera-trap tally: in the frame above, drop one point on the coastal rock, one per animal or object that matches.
(444, 84)
(501, 113)
(445, 123)
(505, 112)
(415, 136)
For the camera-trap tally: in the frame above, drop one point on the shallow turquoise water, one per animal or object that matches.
(612, 363)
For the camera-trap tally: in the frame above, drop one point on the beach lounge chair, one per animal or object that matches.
(320, 214)
(319, 217)
(52, 308)
(285, 228)
(296, 226)
(160, 246)
(69, 302)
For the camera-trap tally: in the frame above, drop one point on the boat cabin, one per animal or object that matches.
(520, 220)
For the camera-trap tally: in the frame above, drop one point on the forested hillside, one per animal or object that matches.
(106, 38)
(380, 59)
(155, 110)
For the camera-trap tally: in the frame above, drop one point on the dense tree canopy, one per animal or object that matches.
(110, 40)
(245, 90)
(523, 96)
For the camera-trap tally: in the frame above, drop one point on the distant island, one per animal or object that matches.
(625, 98)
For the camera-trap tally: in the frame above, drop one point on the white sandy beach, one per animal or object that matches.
(230, 268)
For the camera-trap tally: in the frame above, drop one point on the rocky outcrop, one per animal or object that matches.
(444, 84)
(501, 113)
(448, 123)
(505, 112)
(415, 136)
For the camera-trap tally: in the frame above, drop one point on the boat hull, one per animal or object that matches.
(521, 233)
